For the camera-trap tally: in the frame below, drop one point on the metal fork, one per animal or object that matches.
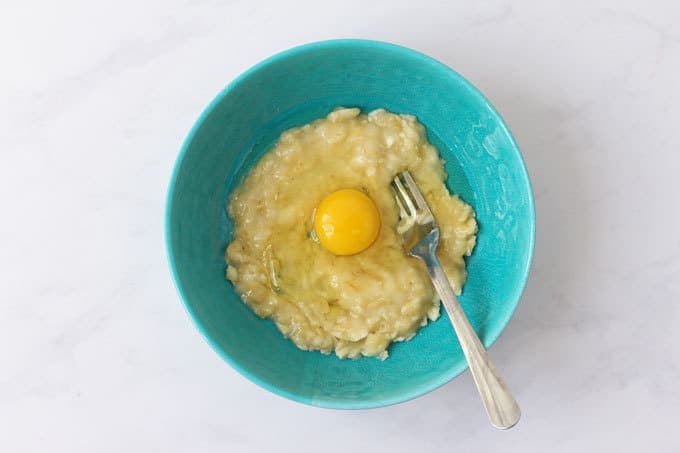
(420, 233)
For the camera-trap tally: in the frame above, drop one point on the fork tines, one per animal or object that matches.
(409, 198)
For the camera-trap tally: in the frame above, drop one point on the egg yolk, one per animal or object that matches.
(346, 222)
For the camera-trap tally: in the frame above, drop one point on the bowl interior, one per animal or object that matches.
(294, 88)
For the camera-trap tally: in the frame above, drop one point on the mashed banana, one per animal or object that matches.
(353, 305)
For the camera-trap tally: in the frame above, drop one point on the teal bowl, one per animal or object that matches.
(293, 88)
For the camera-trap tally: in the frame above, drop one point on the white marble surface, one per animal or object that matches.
(97, 352)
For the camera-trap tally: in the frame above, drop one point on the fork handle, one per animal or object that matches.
(499, 403)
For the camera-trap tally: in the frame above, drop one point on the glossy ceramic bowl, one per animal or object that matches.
(293, 88)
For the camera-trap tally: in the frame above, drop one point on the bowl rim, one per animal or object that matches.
(325, 402)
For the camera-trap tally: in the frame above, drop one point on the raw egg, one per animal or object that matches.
(346, 222)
